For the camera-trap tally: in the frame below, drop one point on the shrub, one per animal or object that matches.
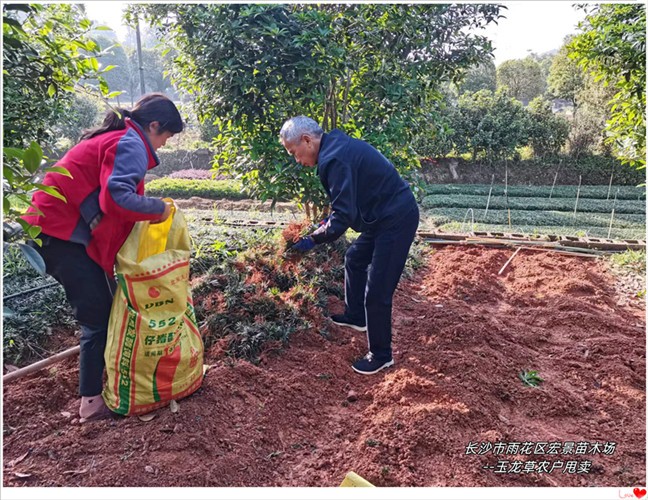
(186, 188)
(194, 173)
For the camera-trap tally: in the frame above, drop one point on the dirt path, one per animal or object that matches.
(461, 336)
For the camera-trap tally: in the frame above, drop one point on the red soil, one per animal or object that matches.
(461, 336)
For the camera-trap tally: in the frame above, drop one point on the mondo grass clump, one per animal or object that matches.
(32, 319)
(260, 298)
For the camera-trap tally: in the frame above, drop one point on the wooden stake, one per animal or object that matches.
(40, 364)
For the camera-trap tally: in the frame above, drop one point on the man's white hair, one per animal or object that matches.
(295, 127)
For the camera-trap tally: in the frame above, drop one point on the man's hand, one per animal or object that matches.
(304, 244)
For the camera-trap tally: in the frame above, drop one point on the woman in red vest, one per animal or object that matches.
(104, 198)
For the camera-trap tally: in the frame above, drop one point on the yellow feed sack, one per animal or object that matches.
(154, 352)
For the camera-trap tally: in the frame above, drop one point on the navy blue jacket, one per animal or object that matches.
(365, 190)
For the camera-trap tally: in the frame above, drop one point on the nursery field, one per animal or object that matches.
(617, 212)
(280, 405)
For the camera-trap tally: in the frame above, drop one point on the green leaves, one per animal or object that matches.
(47, 51)
(20, 170)
(370, 70)
(489, 125)
(612, 47)
(32, 157)
(530, 378)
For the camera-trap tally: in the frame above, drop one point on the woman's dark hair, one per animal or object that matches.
(150, 108)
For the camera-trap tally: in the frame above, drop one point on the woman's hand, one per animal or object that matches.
(165, 215)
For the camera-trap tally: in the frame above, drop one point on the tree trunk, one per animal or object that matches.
(345, 103)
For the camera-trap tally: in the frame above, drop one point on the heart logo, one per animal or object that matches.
(639, 492)
(153, 292)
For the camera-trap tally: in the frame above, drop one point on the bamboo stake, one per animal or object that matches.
(562, 250)
(490, 191)
(612, 216)
(580, 178)
(506, 191)
(554, 183)
(40, 364)
(509, 261)
(610, 186)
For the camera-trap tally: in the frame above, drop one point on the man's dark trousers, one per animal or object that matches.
(373, 266)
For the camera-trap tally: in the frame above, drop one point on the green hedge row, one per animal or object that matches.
(533, 203)
(597, 192)
(537, 218)
(203, 188)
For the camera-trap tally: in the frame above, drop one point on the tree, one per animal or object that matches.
(547, 132)
(46, 52)
(566, 77)
(85, 112)
(113, 54)
(544, 60)
(522, 79)
(438, 140)
(490, 125)
(371, 70)
(587, 134)
(154, 76)
(612, 47)
(480, 77)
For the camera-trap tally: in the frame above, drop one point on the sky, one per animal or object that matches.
(530, 26)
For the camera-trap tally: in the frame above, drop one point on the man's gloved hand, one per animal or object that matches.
(304, 244)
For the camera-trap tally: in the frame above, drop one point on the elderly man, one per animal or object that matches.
(369, 196)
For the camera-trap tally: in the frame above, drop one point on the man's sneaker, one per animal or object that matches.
(343, 320)
(369, 365)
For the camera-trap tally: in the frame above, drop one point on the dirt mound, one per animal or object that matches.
(449, 413)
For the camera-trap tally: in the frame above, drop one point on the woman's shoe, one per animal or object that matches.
(93, 408)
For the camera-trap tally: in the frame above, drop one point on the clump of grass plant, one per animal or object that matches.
(530, 378)
(260, 298)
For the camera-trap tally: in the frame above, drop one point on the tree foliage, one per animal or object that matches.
(490, 125)
(371, 70)
(566, 77)
(523, 79)
(547, 132)
(480, 77)
(46, 51)
(612, 47)
(587, 134)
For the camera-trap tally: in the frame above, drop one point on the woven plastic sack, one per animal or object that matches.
(154, 351)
